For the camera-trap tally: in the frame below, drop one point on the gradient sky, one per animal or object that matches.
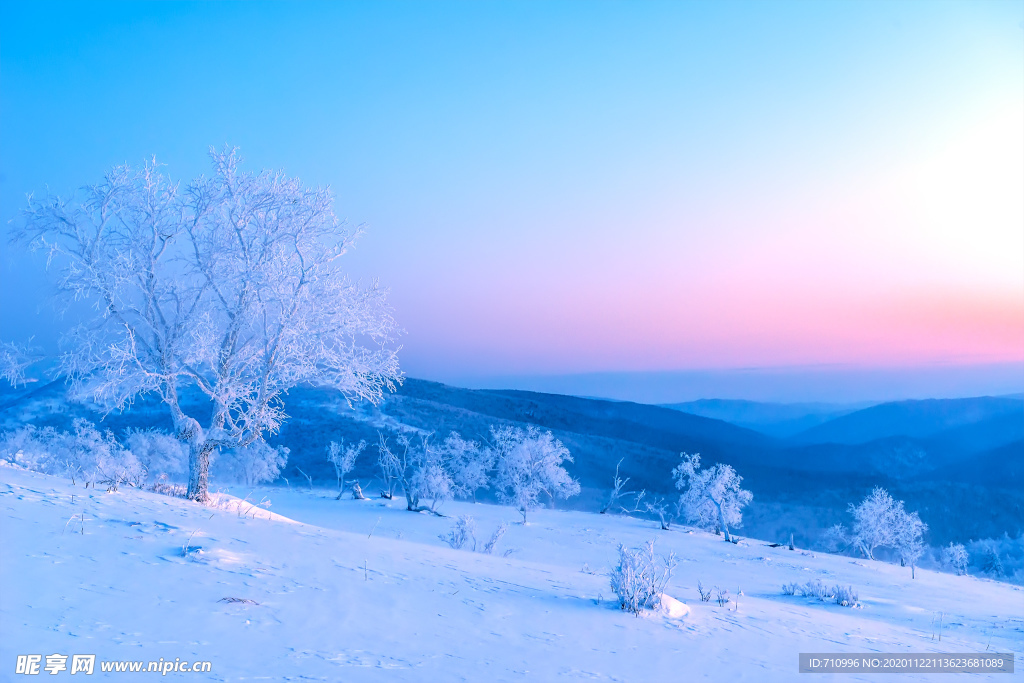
(561, 187)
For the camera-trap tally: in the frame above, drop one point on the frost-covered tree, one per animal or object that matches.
(232, 285)
(955, 557)
(390, 467)
(528, 465)
(874, 522)
(433, 472)
(991, 563)
(712, 496)
(882, 522)
(835, 539)
(467, 462)
(344, 460)
(908, 537)
(618, 483)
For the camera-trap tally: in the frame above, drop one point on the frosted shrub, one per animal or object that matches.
(84, 453)
(159, 452)
(36, 449)
(815, 589)
(845, 596)
(640, 577)
(463, 532)
(256, 463)
(495, 537)
(954, 557)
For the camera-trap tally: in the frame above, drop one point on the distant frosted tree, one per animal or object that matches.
(955, 557)
(882, 522)
(344, 460)
(435, 472)
(468, 463)
(618, 483)
(15, 359)
(874, 523)
(254, 463)
(232, 285)
(991, 563)
(390, 467)
(528, 465)
(908, 537)
(711, 496)
(836, 538)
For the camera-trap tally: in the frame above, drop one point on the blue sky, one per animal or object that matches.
(557, 188)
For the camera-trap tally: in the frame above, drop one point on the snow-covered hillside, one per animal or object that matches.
(365, 591)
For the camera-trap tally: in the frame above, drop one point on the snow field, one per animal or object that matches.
(366, 591)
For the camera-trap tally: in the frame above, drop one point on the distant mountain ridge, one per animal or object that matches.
(915, 419)
(774, 419)
(955, 458)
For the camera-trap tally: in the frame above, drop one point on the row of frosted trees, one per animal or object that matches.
(523, 465)
(713, 498)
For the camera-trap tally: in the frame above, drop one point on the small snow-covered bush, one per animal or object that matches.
(640, 577)
(460, 534)
(815, 589)
(845, 596)
(170, 489)
(955, 557)
(256, 463)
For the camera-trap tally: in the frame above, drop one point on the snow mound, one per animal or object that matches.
(672, 608)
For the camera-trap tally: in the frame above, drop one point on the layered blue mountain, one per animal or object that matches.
(958, 462)
(775, 419)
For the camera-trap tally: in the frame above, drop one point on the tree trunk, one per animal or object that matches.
(199, 471)
(187, 429)
(721, 521)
